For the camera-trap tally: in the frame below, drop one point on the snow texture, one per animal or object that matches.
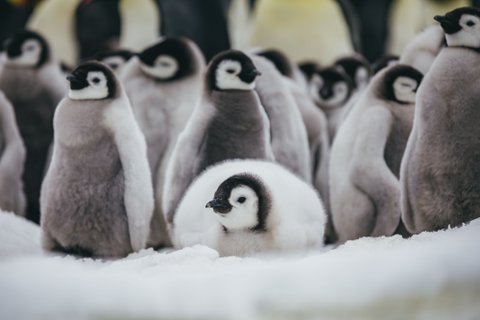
(429, 276)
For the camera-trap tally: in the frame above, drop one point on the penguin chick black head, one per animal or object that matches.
(384, 61)
(357, 68)
(462, 27)
(241, 202)
(231, 70)
(92, 81)
(115, 59)
(308, 68)
(331, 87)
(26, 49)
(400, 84)
(281, 62)
(170, 59)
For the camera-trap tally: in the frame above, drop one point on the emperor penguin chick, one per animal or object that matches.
(12, 159)
(357, 68)
(97, 197)
(366, 155)
(164, 84)
(32, 81)
(313, 118)
(228, 123)
(331, 89)
(243, 206)
(288, 133)
(440, 172)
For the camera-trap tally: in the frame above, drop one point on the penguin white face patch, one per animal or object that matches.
(96, 89)
(31, 51)
(469, 35)
(244, 212)
(404, 89)
(164, 67)
(227, 76)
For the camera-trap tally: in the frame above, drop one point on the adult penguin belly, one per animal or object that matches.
(304, 30)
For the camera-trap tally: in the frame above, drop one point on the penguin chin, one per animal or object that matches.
(88, 93)
(463, 39)
(21, 62)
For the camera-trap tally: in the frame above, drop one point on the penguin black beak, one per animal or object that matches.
(326, 93)
(249, 76)
(76, 83)
(219, 206)
(447, 25)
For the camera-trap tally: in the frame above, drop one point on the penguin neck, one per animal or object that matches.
(242, 110)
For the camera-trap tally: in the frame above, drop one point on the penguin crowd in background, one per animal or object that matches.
(271, 145)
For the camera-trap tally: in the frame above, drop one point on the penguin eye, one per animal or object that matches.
(470, 23)
(165, 64)
(96, 80)
(30, 48)
(114, 66)
(231, 71)
(241, 199)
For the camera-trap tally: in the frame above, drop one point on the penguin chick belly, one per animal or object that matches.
(87, 199)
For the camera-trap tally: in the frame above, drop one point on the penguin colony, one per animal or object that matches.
(246, 152)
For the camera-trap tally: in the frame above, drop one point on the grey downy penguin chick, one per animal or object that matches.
(315, 123)
(164, 83)
(424, 48)
(331, 90)
(97, 197)
(116, 59)
(241, 207)
(288, 133)
(366, 156)
(32, 81)
(228, 123)
(12, 160)
(440, 172)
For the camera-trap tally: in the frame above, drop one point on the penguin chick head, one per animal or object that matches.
(231, 70)
(170, 59)
(26, 49)
(241, 203)
(357, 68)
(401, 83)
(462, 27)
(92, 81)
(115, 59)
(331, 87)
(279, 60)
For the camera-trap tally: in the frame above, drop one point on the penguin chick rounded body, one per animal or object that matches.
(164, 84)
(241, 207)
(288, 133)
(97, 197)
(12, 159)
(228, 123)
(366, 155)
(32, 81)
(331, 90)
(440, 172)
(314, 119)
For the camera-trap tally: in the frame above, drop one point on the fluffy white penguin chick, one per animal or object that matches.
(241, 207)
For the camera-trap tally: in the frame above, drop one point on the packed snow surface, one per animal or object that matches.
(429, 276)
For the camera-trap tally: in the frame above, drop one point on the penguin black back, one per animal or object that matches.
(14, 46)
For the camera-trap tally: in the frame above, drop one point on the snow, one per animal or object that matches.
(429, 276)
